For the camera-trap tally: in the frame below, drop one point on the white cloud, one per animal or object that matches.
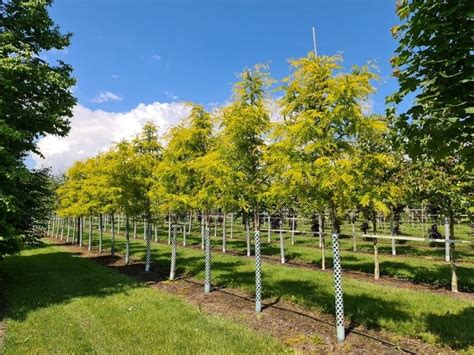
(115, 76)
(156, 57)
(93, 131)
(105, 96)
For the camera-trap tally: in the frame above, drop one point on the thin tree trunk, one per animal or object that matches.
(112, 246)
(247, 230)
(127, 240)
(224, 241)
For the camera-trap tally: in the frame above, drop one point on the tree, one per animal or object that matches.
(434, 63)
(316, 144)
(177, 180)
(245, 123)
(35, 99)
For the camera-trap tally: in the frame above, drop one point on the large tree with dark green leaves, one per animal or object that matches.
(35, 99)
(434, 63)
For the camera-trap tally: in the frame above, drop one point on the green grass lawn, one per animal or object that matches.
(431, 317)
(58, 302)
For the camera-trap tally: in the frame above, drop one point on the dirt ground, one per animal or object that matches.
(302, 330)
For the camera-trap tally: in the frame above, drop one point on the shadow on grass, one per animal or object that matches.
(43, 279)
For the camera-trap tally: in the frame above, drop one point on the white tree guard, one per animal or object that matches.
(293, 230)
(269, 229)
(101, 232)
(169, 228)
(340, 331)
(68, 229)
(148, 248)
(89, 246)
(447, 236)
(62, 228)
(282, 245)
(207, 257)
(173, 251)
(258, 274)
(184, 235)
(112, 245)
(224, 236)
(81, 231)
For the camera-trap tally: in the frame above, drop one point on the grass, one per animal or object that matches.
(58, 302)
(431, 317)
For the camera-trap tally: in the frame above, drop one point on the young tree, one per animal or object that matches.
(148, 153)
(323, 121)
(245, 123)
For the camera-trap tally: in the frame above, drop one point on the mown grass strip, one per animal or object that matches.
(58, 302)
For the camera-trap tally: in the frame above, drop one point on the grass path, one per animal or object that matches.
(58, 302)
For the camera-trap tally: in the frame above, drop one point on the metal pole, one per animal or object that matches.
(314, 42)
(340, 331)
(173, 250)
(207, 267)
(258, 274)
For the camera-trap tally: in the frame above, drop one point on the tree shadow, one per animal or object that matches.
(453, 329)
(50, 278)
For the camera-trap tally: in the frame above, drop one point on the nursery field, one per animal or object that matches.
(433, 316)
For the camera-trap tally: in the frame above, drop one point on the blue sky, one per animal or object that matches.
(140, 60)
(146, 51)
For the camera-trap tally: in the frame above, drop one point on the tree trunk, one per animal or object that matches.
(247, 230)
(112, 246)
(224, 236)
(376, 249)
(127, 240)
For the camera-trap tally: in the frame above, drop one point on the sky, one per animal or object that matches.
(142, 60)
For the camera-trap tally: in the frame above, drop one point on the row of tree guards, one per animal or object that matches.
(59, 224)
